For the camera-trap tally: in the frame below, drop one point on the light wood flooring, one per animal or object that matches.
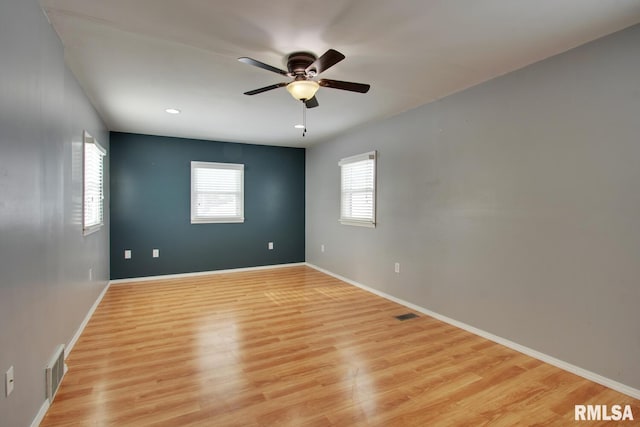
(293, 346)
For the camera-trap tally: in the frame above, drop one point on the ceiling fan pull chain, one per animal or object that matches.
(304, 118)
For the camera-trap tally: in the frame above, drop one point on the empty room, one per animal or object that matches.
(339, 213)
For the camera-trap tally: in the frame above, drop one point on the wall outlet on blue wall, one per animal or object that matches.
(270, 246)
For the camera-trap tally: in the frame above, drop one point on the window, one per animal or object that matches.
(92, 185)
(217, 192)
(358, 190)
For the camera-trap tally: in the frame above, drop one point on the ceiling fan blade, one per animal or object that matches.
(264, 89)
(326, 61)
(311, 103)
(262, 65)
(351, 86)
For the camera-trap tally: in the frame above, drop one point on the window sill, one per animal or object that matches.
(90, 230)
(217, 221)
(358, 223)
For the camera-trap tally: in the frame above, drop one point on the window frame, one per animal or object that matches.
(352, 220)
(93, 226)
(195, 219)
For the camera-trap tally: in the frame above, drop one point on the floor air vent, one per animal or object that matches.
(407, 316)
(54, 372)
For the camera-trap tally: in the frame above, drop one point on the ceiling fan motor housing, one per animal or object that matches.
(298, 62)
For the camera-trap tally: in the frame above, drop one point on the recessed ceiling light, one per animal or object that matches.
(298, 126)
(172, 111)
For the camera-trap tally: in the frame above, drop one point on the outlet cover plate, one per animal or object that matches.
(8, 380)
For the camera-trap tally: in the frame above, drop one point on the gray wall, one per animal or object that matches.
(45, 291)
(512, 206)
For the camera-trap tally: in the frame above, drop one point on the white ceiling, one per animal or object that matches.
(135, 58)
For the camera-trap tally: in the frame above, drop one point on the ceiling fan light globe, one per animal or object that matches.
(303, 89)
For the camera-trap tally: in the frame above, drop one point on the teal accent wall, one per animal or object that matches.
(150, 207)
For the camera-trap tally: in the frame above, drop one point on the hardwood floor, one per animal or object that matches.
(293, 346)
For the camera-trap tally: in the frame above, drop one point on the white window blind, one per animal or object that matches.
(93, 185)
(217, 192)
(358, 190)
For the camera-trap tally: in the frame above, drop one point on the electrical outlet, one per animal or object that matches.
(8, 381)
(156, 253)
(321, 248)
(270, 246)
(396, 267)
(90, 274)
(127, 254)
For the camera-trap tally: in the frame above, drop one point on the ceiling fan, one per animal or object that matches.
(303, 67)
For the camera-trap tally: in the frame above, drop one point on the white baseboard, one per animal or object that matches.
(41, 413)
(591, 376)
(203, 273)
(67, 350)
(83, 325)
